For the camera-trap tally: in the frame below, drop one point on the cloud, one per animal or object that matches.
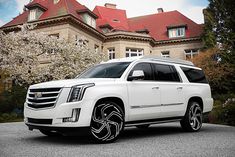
(21, 4)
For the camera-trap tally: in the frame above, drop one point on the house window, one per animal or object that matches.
(190, 53)
(56, 1)
(32, 15)
(165, 54)
(132, 52)
(81, 41)
(106, 30)
(89, 20)
(176, 32)
(96, 47)
(111, 53)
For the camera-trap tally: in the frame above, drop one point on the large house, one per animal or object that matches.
(107, 29)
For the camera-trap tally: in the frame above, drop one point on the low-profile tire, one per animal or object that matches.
(192, 120)
(145, 126)
(107, 122)
(50, 133)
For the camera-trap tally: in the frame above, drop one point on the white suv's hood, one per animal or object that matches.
(70, 83)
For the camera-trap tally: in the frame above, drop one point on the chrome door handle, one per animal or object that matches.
(155, 88)
(179, 88)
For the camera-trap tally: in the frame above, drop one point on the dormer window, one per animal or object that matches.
(32, 15)
(106, 28)
(89, 20)
(176, 31)
(56, 1)
(88, 17)
(35, 11)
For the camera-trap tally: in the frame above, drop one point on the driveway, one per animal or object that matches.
(159, 140)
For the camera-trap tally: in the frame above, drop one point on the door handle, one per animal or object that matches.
(155, 88)
(179, 88)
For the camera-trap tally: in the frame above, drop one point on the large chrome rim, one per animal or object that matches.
(107, 122)
(195, 116)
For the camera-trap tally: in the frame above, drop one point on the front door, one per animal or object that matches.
(144, 95)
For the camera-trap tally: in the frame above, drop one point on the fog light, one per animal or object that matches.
(74, 117)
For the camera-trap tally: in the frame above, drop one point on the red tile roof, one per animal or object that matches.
(157, 24)
(114, 17)
(63, 7)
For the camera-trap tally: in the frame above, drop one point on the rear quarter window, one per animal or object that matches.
(194, 75)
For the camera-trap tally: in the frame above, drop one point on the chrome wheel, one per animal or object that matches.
(195, 116)
(192, 120)
(107, 122)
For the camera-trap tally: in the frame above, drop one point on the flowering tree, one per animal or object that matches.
(30, 57)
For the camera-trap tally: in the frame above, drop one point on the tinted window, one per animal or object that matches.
(165, 73)
(146, 67)
(194, 75)
(109, 70)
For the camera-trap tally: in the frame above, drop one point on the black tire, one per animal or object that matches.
(192, 120)
(107, 122)
(50, 133)
(145, 126)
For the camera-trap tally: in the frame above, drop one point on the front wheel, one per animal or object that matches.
(107, 122)
(192, 120)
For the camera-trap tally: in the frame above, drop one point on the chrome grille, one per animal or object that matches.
(43, 97)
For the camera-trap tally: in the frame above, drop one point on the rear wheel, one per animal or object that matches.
(192, 120)
(145, 126)
(107, 122)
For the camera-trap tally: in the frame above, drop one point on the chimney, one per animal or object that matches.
(160, 10)
(110, 5)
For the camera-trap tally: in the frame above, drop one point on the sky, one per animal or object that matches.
(191, 8)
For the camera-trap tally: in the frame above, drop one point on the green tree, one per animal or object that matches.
(220, 24)
(219, 31)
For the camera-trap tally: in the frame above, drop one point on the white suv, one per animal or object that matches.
(120, 93)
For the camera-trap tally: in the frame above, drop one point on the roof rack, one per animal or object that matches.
(169, 60)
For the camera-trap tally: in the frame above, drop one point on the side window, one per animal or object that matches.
(164, 72)
(194, 75)
(146, 67)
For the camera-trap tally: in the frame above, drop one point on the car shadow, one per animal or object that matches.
(128, 134)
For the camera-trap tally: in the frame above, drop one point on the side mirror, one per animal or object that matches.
(136, 75)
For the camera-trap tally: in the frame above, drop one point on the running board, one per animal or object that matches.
(152, 121)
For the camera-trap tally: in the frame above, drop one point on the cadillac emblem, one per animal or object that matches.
(38, 95)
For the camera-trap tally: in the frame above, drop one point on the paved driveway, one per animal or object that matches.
(158, 140)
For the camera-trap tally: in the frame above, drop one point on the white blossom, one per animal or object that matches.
(30, 57)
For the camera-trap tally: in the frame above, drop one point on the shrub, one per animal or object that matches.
(224, 110)
(13, 99)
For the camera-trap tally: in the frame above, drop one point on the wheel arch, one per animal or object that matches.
(117, 100)
(197, 99)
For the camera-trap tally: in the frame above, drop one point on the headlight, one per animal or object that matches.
(77, 92)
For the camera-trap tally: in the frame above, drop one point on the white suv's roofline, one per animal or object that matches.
(152, 58)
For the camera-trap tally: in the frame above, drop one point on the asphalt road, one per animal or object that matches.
(158, 140)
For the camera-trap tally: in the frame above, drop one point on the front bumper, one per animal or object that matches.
(54, 117)
(81, 131)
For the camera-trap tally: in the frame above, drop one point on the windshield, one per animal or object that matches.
(108, 70)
